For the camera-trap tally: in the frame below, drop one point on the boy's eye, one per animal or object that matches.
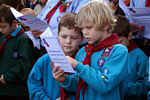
(71, 37)
(89, 27)
(64, 36)
(74, 38)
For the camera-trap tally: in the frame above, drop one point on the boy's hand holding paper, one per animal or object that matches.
(58, 73)
(72, 61)
(55, 51)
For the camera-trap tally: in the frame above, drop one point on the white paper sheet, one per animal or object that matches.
(140, 11)
(56, 53)
(29, 20)
(16, 13)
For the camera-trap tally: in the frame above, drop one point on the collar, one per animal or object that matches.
(17, 30)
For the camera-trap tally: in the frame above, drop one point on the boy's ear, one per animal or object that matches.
(14, 23)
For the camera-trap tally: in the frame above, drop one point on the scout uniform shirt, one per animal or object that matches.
(103, 79)
(136, 85)
(41, 83)
(15, 64)
(73, 6)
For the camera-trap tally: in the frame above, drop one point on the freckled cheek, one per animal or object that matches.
(75, 44)
(93, 36)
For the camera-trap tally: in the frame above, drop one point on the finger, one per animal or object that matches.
(58, 72)
(55, 69)
(59, 76)
(26, 28)
(36, 31)
(1, 77)
(2, 80)
(52, 65)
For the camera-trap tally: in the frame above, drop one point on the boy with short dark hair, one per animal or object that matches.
(41, 83)
(16, 57)
(136, 85)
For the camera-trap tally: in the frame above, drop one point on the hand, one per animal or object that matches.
(2, 79)
(36, 33)
(58, 73)
(72, 61)
(26, 28)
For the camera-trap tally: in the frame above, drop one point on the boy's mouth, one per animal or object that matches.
(68, 47)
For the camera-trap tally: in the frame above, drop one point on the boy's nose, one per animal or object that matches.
(85, 31)
(68, 40)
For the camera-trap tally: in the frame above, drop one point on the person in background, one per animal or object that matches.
(35, 38)
(136, 85)
(39, 6)
(41, 84)
(114, 4)
(16, 57)
(54, 9)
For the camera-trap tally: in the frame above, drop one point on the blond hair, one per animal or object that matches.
(98, 13)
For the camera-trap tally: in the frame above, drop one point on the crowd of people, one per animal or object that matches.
(98, 39)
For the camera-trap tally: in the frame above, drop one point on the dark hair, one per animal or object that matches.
(68, 21)
(13, 3)
(6, 14)
(122, 27)
(7, 2)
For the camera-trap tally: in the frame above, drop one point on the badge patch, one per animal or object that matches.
(105, 54)
(101, 62)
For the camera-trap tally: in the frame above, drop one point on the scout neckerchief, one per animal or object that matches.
(64, 95)
(132, 46)
(147, 3)
(90, 49)
(61, 4)
(17, 32)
